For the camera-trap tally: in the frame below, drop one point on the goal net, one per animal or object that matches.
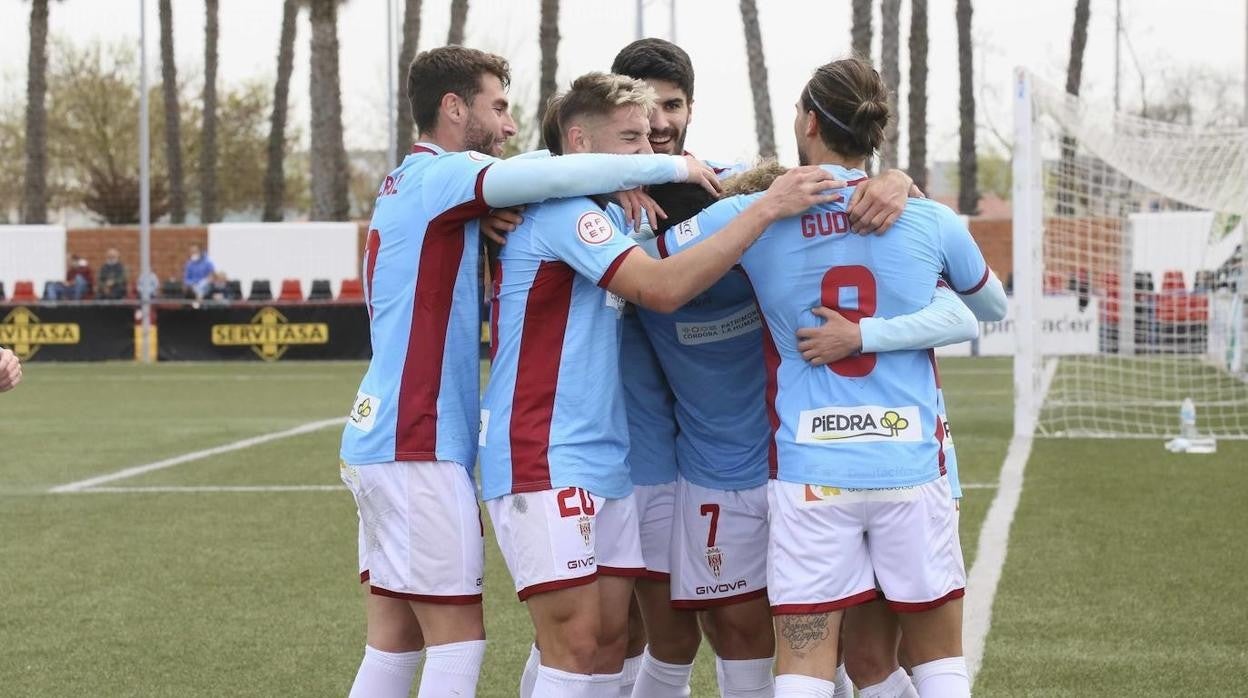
(1129, 271)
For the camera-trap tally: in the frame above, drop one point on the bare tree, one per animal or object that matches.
(329, 173)
(918, 93)
(208, 133)
(173, 136)
(1074, 77)
(35, 187)
(459, 18)
(548, 39)
(407, 51)
(1078, 42)
(275, 175)
(861, 30)
(968, 192)
(890, 62)
(757, 64)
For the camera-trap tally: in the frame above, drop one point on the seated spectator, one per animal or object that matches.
(197, 275)
(112, 278)
(219, 288)
(79, 281)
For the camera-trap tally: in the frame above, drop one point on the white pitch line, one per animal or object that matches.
(195, 455)
(994, 541)
(213, 488)
(994, 538)
(979, 485)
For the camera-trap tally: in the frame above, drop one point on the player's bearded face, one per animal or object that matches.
(489, 123)
(669, 121)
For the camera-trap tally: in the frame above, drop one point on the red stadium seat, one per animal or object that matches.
(352, 290)
(1054, 283)
(292, 291)
(24, 292)
(1172, 281)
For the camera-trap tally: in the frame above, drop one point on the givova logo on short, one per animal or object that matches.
(865, 424)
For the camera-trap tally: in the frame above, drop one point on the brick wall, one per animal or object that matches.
(995, 239)
(169, 246)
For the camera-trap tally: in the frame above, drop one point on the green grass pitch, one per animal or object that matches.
(1126, 572)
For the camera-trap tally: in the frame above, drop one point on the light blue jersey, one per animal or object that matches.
(648, 401)
(712, 354)
(419, 399)
(678, 371)
(868, 421)
(553, 412)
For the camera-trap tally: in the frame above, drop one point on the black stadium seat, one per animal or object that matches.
(321, 290)
(172, 288)
(233, 290)
(1, 290)
(260, 290)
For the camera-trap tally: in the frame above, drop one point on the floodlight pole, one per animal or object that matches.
(641, 23)
(145, 197)
(671, 20)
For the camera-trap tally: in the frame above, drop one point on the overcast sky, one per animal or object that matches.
(797, 37)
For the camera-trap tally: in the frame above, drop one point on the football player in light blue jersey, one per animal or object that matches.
(858, 456)
(411, 437)
(674, 634)
(553, 436)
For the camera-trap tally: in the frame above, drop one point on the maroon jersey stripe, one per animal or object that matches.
(416, 430)
(537, 375)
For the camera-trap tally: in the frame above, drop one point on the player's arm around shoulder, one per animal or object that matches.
(10, 370)
(665, 285)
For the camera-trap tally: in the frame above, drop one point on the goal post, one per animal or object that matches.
(1133, 231)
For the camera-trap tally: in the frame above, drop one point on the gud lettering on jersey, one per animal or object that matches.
(870, 420)
(418, 399)
(553, 412)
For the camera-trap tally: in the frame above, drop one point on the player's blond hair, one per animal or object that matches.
(599, 94)
(755, 179)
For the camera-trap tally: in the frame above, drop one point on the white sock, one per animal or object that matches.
(745, 678)
(798, 686)
(632, 666)
(844, 687)
(451, 669)
(529, 678)
(661, 680)
(607, 684)
(943, 678)
(553, 683)
(385, 674)
(897, 685)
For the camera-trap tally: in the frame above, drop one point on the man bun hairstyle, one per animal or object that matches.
(850, 102)
(599, 94)
(656, 59)
(449, 69)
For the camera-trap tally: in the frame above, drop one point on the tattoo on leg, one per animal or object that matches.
(803, 632)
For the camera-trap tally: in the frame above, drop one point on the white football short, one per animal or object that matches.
(556, 539)
(421, 536)
(719, 546)
(654, 510)
(829, 546)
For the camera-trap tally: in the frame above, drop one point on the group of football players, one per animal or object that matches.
(713, 408)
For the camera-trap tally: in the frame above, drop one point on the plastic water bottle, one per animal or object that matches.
(1187, 419)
